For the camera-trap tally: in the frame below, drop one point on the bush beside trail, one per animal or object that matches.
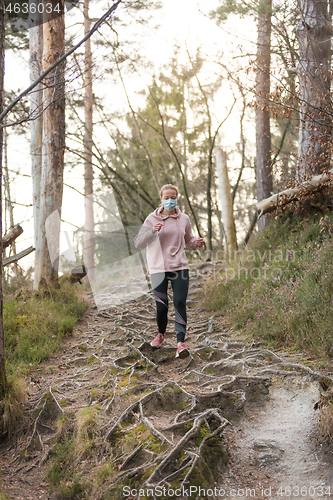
(36, 323)
(279, 289)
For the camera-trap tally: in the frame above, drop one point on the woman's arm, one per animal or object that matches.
(190, 240)
(145, 236)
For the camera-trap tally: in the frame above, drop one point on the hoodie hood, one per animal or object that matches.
(157, 213)
(161, 217)
(166, 248)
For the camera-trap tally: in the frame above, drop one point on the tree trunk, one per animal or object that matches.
(89, 240)
(314, 38)
(6, 183)
(36, 133)
(301, 191)
(3, 380)
(209, 204)
(8, 202)
(53, 146)
(226, 202)
(253, 222)
(5, 176)
(263, 133)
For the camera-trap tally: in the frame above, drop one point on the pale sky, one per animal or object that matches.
(179, 22)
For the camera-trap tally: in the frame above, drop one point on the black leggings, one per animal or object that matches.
(179, 282)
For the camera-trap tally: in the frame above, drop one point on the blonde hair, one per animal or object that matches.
(168, 186)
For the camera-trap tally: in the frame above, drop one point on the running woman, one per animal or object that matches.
(166, 232)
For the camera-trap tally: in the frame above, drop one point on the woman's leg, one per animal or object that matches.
(159, 283)
(180, 282)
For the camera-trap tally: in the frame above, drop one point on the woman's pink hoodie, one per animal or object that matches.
(166, 248)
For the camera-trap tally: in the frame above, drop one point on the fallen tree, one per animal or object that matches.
(288, 195)
(18, 256)
(12, 234)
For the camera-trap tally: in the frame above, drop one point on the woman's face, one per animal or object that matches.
(169, 193)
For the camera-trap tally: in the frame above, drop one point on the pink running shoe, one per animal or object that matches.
(182, 351)
(156, 343)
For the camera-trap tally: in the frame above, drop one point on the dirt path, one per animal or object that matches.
(235, 419)
(276, 447)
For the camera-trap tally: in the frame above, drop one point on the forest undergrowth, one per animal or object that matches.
(35, 323)
(279, 290)
(106, 414)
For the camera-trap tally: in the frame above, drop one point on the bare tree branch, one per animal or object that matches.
(59, 61)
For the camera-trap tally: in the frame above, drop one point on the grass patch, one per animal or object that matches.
(63, 475)
(76, 443)
(35, 324)
(3, 495)
(325, 427)
(280, 289)
(74, 471)
(11, 408)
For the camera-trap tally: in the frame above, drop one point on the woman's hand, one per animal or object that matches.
(157, 227)
(199, 242)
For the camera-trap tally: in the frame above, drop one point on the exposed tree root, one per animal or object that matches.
(156, 476)
(168, 415)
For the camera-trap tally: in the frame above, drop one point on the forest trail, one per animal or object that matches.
(235, 418)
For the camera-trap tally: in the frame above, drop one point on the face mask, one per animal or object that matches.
(169, 204)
